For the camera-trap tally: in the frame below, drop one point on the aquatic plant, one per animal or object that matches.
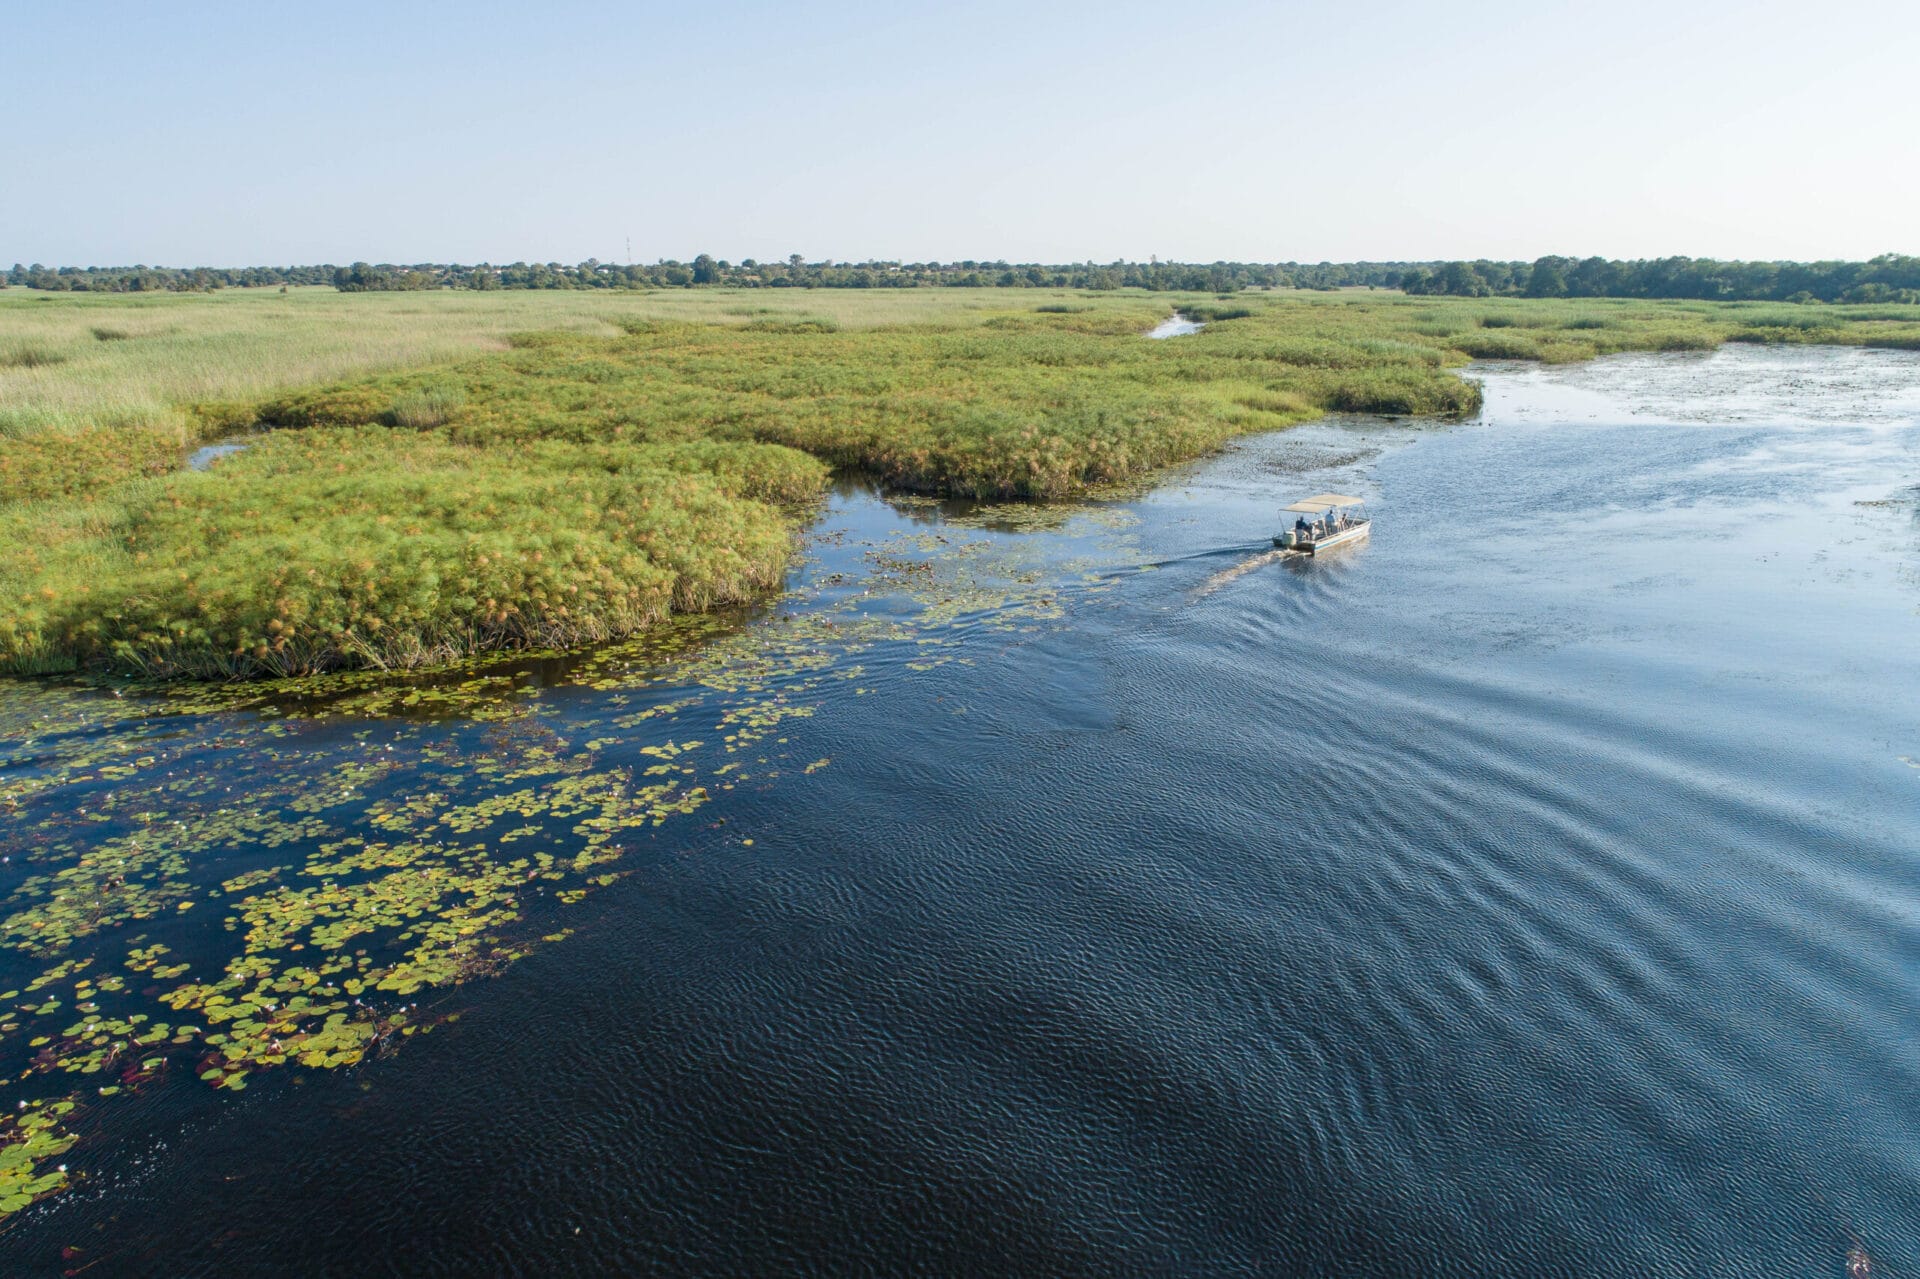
(310, 903)
(1497, 345)
(580, 485)
(329, 548)
(30, 1138)
(82, 465)
(1212, 313)
(426, 407)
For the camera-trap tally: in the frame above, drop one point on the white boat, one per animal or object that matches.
(1336, 520)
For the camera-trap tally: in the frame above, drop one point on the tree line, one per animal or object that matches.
(1889, 278)
(792, 272)
(159, 279)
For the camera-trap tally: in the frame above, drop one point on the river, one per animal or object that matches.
(1532, 889)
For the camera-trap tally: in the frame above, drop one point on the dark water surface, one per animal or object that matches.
(1530, 891)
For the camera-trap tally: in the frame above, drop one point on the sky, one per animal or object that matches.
(1191, 130)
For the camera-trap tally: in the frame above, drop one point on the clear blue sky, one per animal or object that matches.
(236, 134)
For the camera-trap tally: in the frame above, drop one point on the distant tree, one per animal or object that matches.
(1875, 291)
(1595, 278)
(1461, 280)
(1890, 278)
(363, 277)
(359, 278)
(1547, 281)
(1497, 275)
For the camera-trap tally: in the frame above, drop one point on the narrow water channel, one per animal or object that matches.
(1175, 326)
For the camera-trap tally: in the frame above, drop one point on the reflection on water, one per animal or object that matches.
(207, 454)
(1768, 385)
(1530, 891)
(1175, 326)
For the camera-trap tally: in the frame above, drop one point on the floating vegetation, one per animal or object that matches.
(203, 885)
(30, 1139)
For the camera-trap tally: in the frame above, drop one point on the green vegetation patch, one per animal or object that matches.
(373, 546)
(578, 486)
(1021, 405)
(21, 355)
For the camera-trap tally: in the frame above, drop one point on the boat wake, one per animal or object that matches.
(1237, 571)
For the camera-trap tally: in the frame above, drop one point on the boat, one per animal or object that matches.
(1324, 521)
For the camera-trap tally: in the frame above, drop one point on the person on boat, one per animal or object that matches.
(1300, 526)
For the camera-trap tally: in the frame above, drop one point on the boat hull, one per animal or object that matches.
(1345, 537)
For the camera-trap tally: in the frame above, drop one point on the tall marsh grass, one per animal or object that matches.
(461, 472)
(26, 355)
(379, 547)
(427, 407)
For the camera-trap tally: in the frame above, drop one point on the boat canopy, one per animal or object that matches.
(1320, 503)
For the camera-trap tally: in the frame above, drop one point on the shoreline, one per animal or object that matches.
(688, 437)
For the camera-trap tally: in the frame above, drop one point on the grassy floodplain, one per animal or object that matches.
(458, 472)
